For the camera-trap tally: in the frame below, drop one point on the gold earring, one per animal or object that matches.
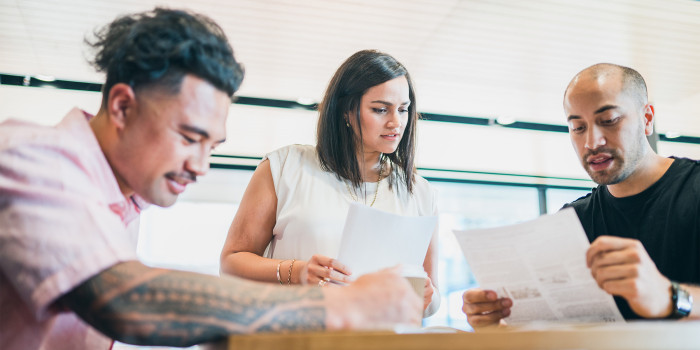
(347, 125)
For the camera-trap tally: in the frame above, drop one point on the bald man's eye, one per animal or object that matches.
(610, 121)
(577, 129)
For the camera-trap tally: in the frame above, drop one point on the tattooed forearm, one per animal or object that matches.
(136, 304)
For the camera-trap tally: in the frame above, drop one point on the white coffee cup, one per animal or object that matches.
(416, 276)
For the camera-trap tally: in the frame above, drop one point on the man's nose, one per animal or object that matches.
(198, 163)
(595, 138)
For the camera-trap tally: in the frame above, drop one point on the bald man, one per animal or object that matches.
(642, 219)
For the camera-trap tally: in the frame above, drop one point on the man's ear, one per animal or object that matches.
(121, 99)
(649, 119)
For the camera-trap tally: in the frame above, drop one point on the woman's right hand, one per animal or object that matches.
(322, 268)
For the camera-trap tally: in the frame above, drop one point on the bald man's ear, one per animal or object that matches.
(121, 98)
(649, 119)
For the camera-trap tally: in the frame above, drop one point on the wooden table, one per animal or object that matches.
(658, 335)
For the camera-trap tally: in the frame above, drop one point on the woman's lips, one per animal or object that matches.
(391, 137)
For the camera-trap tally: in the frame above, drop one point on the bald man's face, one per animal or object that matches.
(607, 127)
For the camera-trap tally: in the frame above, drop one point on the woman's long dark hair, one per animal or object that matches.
(336, 143)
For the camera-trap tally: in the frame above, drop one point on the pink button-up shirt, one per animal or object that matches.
(63, 220)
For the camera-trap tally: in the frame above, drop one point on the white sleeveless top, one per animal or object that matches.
(312, 204)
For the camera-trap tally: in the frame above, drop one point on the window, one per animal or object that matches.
(468, 206)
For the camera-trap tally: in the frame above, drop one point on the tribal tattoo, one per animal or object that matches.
(136, 304)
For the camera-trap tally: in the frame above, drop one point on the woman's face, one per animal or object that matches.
(383, 116)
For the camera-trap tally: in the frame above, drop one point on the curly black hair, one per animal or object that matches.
(160, 47)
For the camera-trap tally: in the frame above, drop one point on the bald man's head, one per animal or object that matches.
(632, 82)
(609, 118)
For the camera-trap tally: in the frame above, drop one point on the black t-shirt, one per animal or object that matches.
(664, 217)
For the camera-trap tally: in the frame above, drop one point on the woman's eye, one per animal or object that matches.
(379, 110)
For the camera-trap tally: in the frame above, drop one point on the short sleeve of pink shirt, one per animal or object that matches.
(63, 220)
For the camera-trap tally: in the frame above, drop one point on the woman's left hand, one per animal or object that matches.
(428, 293)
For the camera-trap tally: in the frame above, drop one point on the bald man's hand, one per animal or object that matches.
(621, 266)
(483, 307)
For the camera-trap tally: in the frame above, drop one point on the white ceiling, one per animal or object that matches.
(478, 58)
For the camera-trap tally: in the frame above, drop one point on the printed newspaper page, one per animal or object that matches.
(541, 266)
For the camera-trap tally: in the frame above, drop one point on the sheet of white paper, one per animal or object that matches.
(374, 239)
(541, 266)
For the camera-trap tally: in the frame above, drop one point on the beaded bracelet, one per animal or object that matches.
(289, 278)
(279, 278)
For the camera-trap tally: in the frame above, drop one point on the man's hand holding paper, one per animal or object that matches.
(540, 268)
(622, 267)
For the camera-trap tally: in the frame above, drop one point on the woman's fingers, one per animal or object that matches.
(324, 268)
(428, 293)
(332, 264)
(317, 273)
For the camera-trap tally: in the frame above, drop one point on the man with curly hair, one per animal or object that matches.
(71, 194)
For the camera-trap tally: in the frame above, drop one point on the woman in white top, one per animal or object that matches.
(289, 224)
